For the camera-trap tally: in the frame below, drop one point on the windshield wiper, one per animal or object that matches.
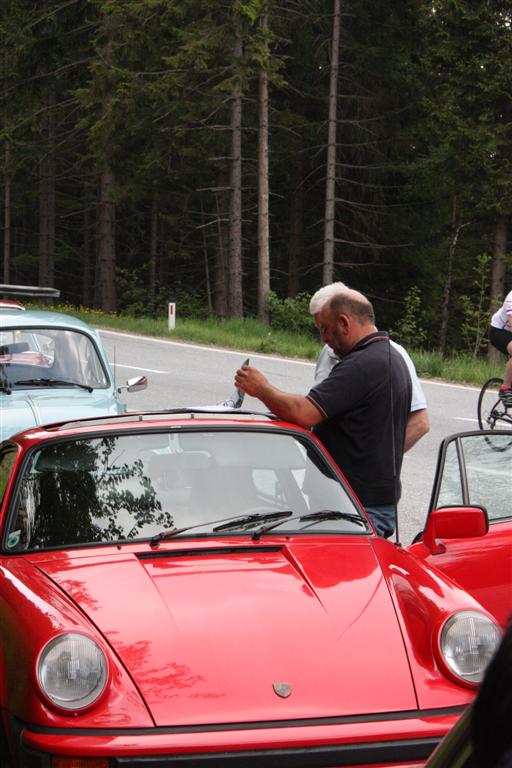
(258, 517)
(5, 385)
(53, 383)
(228, 522)
(312, 518)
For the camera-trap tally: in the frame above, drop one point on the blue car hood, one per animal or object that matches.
(23, 409)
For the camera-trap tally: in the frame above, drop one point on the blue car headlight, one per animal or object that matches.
(72, 671)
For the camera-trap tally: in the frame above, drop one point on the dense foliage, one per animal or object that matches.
(122, 185)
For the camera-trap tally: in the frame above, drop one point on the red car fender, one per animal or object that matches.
(33, 612)
(425, 599)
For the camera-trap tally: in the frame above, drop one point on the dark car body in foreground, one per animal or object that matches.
(204, 589)
(482, 738)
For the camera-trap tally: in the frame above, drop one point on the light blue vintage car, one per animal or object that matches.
(53, 367)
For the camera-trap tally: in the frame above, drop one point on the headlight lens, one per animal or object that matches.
(72, 671)
(468, 642)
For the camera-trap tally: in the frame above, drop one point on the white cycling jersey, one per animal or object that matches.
(501, 317)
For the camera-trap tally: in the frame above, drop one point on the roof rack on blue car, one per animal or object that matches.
(29, 290)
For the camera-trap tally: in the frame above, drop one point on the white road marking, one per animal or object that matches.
(461, 418)
(450, 386)
(134, 368)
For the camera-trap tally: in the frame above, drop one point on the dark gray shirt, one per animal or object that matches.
(366, 401)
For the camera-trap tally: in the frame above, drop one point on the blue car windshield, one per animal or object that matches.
(129, 486)
(33, 357)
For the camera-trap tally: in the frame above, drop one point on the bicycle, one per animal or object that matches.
(493, 412)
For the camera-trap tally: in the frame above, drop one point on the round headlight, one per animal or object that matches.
(468, 642)
(72, 671)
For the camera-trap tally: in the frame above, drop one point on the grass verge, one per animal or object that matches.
(249, 335)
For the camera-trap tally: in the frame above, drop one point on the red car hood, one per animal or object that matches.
(208, 630)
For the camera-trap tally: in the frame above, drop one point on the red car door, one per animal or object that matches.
(475, 469)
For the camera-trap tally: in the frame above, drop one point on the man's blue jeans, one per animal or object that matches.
(383, 519)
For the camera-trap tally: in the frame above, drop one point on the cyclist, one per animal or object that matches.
(500, 336)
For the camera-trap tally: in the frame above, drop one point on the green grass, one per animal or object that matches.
(249, 335)
(459, 368)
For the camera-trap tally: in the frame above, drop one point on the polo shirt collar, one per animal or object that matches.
(370, 339)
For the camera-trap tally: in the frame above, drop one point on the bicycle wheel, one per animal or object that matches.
(490, 408)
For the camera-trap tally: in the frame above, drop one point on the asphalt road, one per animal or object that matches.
(182, 374)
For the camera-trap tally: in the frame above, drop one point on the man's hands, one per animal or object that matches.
(251, 381)
(295, 408)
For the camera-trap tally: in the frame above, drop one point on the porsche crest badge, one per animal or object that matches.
(282, 689)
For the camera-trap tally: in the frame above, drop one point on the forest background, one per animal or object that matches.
(234, 155)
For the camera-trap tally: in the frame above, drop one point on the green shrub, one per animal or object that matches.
(188, 304)
(290, 315)
(475, 309)
(134, 300)
(132, 293)
(409, 331)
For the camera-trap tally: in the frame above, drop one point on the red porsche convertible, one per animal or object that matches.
(194, 589)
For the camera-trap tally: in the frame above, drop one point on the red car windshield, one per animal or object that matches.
(123, 487)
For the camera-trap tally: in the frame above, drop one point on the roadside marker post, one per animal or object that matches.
(172, 316)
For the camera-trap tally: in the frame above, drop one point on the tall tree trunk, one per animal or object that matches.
(153, 249)
(220, 271)
(498, 273)
(296, 243)
(235, 207)
(456, 228)
(330, 177)
(161, 259)
(97, 273)
(44, 265)
(86, 252)
(263, 195)
(106, 241)
(7, 216)
(206, 265)
(47, 196)
(454, 233)
(106, 212)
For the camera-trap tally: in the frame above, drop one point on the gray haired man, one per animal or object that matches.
(418, 423)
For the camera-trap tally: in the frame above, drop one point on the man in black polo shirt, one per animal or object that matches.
(359, 411)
